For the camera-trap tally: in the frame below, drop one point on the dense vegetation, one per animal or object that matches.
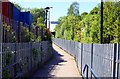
(38, 31)
(85, 28)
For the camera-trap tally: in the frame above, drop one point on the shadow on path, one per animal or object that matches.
(46, 70)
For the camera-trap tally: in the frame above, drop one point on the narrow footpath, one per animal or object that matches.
(61, 65)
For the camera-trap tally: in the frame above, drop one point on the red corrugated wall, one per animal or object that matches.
(5, 9)
(10, 10)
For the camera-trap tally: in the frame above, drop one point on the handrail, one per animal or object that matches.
(12, 65)
(9, 66)
(92, 72)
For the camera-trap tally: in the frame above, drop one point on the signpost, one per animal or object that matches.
(55, 22)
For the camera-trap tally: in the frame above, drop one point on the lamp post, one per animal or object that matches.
(46, 14)
(101, 27)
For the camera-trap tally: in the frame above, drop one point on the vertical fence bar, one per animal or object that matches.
(87, 73)
(1, 31)
(15, 72)
(10, 23)
(91, 58)
(31, 56)
(114, 61)
(18, 30)
(118, 54)
(81, 55)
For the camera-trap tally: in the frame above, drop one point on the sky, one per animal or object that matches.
(60, 7)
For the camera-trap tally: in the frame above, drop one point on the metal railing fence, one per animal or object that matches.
(103, 59)
(19, 59)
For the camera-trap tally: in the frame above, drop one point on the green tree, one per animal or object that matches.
(86, 27)
(59, 28)
(40, 22)
(111, 24)
(38, 13)
(73, 9)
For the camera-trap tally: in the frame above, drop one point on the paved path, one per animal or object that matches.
(61, 65)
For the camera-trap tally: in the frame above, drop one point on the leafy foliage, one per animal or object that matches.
(85, 28)
(38, 14)
(73, 9)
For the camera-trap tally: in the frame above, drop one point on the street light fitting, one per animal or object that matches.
(46, 14)
(47, 8)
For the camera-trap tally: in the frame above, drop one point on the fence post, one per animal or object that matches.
(114, 60)
(18, 30)
(81, 55)
(15, 72)
(91, 58)
(118, 59)
(31, 55)
(41, 48)
(1, 35)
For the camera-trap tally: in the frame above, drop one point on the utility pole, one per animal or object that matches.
(101, 28)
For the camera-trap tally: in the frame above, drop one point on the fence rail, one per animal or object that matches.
(101, 58)
(87, 68)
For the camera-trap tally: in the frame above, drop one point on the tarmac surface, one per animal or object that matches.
(61, 65)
